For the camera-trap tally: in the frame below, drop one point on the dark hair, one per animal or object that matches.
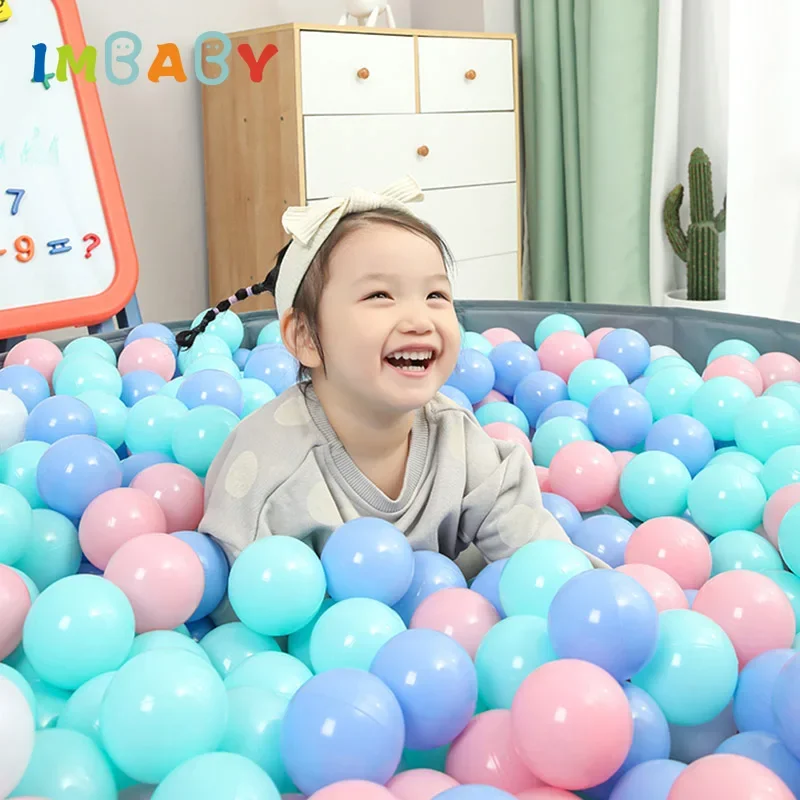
(306, 302)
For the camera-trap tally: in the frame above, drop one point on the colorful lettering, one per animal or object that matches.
(123, 58)
(216, 58)
(17, 194)
(161, 69)
(39, 55)
(86, 61)
(58, 246)
(25, 249)
(256, 67)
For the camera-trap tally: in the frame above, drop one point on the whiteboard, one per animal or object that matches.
(59, 191)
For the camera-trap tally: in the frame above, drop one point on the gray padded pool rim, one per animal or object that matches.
(692, 333)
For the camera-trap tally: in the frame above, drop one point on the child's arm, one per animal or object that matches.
(502, 508)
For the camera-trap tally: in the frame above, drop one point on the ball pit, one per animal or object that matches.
(667, 447)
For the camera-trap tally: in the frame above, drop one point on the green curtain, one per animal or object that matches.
(588, 87)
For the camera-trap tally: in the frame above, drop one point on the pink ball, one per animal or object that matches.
(484, 753)
(543, 476)
(729, 776)
(462, 614)
(114, 517)
(162, 578)
(572, 724)
(149, 354)
(751, 608)
(585, 473)
(177, 490)
(15, 603)
(736, 367)
(777, 367)
(562, 351)
(353, 790)
(497, 336)
(663, 588)
(493, 397)
(621, 457)
(420, 784)
(776, 508)
(509, 433)
(39, 354)
(595, 337)
(546, 793)
(673, 545)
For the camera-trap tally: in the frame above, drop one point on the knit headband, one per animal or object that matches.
(311, 225)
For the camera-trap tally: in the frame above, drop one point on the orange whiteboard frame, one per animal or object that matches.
(94, 309)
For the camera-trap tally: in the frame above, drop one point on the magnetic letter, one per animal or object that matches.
(256, 67)
(161, 69)
(216, 58)
(120, 53)
(86, 61)
(39, 54)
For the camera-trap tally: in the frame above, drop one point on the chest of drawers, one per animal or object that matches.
(341, 107)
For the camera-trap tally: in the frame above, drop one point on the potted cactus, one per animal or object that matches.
(699, 246)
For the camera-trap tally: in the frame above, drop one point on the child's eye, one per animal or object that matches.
(377, 294)
(439, 295)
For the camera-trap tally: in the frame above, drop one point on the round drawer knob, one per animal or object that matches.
(470, 75)
(423, 151)
(363, 73)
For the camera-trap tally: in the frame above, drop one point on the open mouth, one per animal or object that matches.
(411, 363)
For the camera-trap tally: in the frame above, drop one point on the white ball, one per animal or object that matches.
(661, 350)
(16, 734)
(363, 8)
(13, 418)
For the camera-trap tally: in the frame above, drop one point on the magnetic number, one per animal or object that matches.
(25, 248)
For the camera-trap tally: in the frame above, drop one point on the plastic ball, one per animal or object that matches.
(170, 389)
(733, 347)
(39, 354)
(563, 408)
(589, 378)
(270, 671)
(211, 387)
(151, 423)
(739, 459)
(161, 709)
(503, 412)
(622, 458)
(368, 557)
(213, 361)
(777, 367)
(177, 490)
(53, 551)
(605, 618)
(473, 374)
(781, 469)
(556, 715)
(626, 348)
(725, 498)
(227, 325)
(419, 784)
(673, 545)
(585, 473)
(230, 645)
(660, 351)
(255, 393)
(240, 356)
(82, 373)
(786, 390)
(275, 366)
(694, 671)
(433, 680)
(270, 333)
(672, 390)
(650, 779)
(512, 361)
(276, 585)
(163, 639)
(766, 425)
(685, 438)
(641, 384)
(665, 590)
(54, 418)
(555, 434)
(553, 323)
(351, 632)
(74, 471)
(657, 365)
(476, 341)
(752, 702)
(620, 418)
(736, 550)
(199, 434)
(562, 351)
(537, 391)
(18, 467)
(735, 366)
(215, 571)
(506, 432)
(605, 536)
(153, 330)
(138, 385)
(596, 336)
(26, 383)
(766, 749)
(344, 724)
(457, 396)
(206, 344)
(534, 574)
(486, 583)
(564, 512)
(655, 484)
(493, 397)
(110, 414)
(432, 573)
(16, 525)
(16, 603)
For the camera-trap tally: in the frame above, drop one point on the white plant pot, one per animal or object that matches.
(677, 299)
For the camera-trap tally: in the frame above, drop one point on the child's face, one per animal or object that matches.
(388, 292)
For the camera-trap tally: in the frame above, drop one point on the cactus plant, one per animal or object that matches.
(699, 247)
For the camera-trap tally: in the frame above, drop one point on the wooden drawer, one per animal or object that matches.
(490, 278)
(330, 64)
(476, 221)
(373, 151)
(465, 74)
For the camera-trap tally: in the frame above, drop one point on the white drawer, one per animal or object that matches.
(475, 221)
(466, 74)
(330, 64)
(372, 151)
(489, 278)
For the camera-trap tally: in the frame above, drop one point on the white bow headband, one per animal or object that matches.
(311, 225)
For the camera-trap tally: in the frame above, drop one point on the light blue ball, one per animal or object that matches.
(255, 393)
(151, 423)
(508, 653)
(206, 344)
(563, 511)
(503, 412)
(270, 333)
(139, 384)
(605, 536)
(486, 583)
(473, 374)
(231, 644)
(457, 396)
(725, 498)
(784, 705)
(351, 632)
(26, 383)
(537, 391)
(110, 414)
(743, 550)
(476, 341)
(671, 391)
(432, 572)
(275, 366)
(215, 571)
(226, 325)
(781, 469)
(553, 323)
(77, 629)
(211, 388)
(693, 673)
(768, 750)
(684, 437)
(733, 347)
(766, 425)
(276, 585)
(786, 390)
(620, 418)
(84, 373)
(240, 357)
(133, 465)
(89, 345)
(474, 791)
(57, 417)
(512, 361)
(53, 551)
(650, 779)
(271, 671)
(534, 574)
(590, 377)
(153, 330)
(555, 434)
(655, 484)
(718, 402)
(626, 348)
(563, 408)
(18, 467)
(752, 702)
(199, 435)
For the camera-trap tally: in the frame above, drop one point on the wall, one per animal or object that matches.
(490, 16)
(156, 133)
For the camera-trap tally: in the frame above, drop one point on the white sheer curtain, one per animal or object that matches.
(729, 82)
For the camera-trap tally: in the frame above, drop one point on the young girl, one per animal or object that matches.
(365, 303)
